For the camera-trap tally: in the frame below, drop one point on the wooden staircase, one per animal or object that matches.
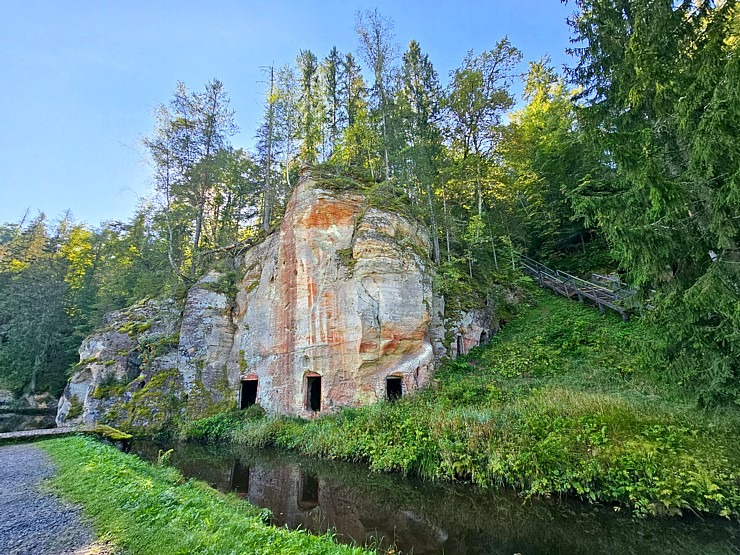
(604, 291)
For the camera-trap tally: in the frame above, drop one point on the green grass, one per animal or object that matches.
(149, 510)
(562, 401)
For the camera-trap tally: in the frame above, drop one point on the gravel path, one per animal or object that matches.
(32, 522)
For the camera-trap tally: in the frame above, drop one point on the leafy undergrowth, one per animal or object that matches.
(151, 510)
(562, 401)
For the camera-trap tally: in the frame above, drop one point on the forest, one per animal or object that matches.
(626, 162)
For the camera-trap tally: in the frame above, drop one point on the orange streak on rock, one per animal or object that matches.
(324, 214)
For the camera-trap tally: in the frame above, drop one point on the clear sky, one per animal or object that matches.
(79, 79)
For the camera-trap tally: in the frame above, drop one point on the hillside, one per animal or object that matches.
(561, 401)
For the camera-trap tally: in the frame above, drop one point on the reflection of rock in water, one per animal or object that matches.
(426, 519)
(240, 479)
(301, 499)
(309, 488)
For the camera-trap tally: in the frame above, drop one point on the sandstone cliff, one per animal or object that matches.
(335, 308)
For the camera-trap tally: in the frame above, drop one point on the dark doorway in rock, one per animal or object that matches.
(393, 388)
(460, 346)
(249, 393)
(483, 338)
(313, 393)
(240, 479)
(309, 496)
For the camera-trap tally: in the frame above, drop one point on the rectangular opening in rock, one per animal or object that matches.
(393, 387)
(249, 393)
(313, 393)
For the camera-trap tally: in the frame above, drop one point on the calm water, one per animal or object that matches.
(422, 518)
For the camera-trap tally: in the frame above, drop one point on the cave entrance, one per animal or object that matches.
(460, 346)
(313, 393)
(393, 388)
(483, 338)
(249, 393)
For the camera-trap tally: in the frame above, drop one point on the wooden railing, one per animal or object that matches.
(604, 291)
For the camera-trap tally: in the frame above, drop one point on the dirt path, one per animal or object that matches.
(33, 522)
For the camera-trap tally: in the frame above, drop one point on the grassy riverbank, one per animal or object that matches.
(562, 401)
(148, 510)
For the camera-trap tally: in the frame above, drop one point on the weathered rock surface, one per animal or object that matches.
(6, 398)
(30, 412)
(205, 349)
(473, 328)
(341, 292)
(331, 305)
(117, 364)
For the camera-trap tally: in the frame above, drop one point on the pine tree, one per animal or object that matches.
(659, 82)
(376, 35)
(419, 97)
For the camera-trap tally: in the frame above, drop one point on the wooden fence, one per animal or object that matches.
(604, 291)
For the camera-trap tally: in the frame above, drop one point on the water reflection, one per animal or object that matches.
(422, 518)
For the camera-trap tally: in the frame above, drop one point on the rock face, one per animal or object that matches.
(30, 412)
(117, 365)
(335, 308)
(205, 351)
(474, 328)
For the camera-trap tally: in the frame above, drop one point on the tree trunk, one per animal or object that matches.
(479, 189)
(34, 374)
(493, 244)
(268, 200)
(433, 220)
(447, 221)
(196, 238)
(385, 137)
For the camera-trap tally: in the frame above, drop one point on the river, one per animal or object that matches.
(423, 518)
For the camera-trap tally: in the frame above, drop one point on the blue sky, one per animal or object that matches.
(80, 79)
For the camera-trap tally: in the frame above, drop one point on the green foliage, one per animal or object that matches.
(110, 387)
(331, 176)
(661, 112)
(388, 195)
(164, 457)
(153, 346)
(218, 427)
(346, 258)
(203, 402)
(563, 400)
(110, 433)
(457, 287)
(225, 284)
(153, 409)
(134, 328)
(545, 153)
(75, 408)
(38, 314)
(148, 510)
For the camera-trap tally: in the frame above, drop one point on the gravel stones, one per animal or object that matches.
(34, 522)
